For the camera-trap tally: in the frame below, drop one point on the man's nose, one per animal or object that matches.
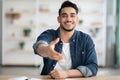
(69, 18)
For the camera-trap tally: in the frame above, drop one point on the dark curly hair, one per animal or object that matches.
(68, 4)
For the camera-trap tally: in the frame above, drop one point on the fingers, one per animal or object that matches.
(54, 74)
(52, 53)
(56, 56)
(52, 71)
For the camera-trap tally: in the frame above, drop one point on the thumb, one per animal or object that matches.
(55, 41)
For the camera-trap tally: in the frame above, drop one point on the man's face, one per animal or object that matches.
(68, 19)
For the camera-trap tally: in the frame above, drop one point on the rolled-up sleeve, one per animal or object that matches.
(35, 45)
(85, 71)
(44, 38)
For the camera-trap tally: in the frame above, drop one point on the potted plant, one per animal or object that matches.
(21, 44)
(27, 31)
(80, 22)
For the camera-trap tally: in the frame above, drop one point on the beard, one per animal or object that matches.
(68, 30)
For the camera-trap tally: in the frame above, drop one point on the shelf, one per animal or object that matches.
(13, 15)
(92, 26)
(91, 14)
(74, 0)
(27, 12)
(20, 51)
(20, 0)
(94, 13)
(21, 38)
(21, 25)
(48, 13)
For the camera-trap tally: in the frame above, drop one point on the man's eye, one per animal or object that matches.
(73, 16)
(64, 16)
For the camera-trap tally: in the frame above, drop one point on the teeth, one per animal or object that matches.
(68, 23)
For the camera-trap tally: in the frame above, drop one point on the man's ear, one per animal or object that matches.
(58, 19)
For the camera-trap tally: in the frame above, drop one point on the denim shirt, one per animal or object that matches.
(82, 51)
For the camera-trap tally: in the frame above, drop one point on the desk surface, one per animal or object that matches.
(7, 77)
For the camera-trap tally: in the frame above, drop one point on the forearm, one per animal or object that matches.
(42, 50)
(74, 73)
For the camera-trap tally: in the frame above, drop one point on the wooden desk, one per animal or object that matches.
(6, 77)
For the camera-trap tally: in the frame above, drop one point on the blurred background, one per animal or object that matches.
(21, 21)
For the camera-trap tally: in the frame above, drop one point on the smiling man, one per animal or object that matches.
(67, 52)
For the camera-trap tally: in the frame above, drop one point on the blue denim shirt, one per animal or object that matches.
(82, 50)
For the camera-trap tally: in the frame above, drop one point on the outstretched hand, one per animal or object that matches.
(51, 53)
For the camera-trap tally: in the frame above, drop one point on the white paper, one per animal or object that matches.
(19, 78)
(23, 78)
(34, 79)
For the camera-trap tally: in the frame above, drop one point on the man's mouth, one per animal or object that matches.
(68, 23)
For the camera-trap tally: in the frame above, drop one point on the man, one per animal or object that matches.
(67, 52)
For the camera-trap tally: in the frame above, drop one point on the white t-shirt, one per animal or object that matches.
(65, 63)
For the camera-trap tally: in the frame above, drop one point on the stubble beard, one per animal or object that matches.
(68, 30)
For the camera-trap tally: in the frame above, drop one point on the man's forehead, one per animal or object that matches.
(68, 10)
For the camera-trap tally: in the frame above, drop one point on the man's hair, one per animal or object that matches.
(68, 4)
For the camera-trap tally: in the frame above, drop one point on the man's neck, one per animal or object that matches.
(66, 36)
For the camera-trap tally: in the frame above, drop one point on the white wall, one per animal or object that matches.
(91, 12)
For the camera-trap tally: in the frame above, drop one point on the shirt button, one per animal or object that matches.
(82, 52)
(54, 65)
(73, 40)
